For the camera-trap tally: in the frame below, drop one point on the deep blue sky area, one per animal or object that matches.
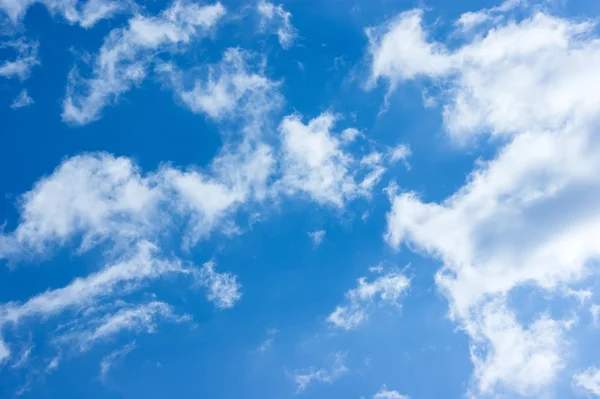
(290, 249)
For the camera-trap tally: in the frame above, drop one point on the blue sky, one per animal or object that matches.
(355, 199)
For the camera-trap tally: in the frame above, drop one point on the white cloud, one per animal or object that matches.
(268, 342)
(314, 163)
(384, 393)
(22, 100)
(400, 50)
(350, 134)
(223, 288)
(595, 310)
(108, 361)
(123, 59)
(304, 378)
(317, 237)
(235, 87)
(471, 20)
(401, 152)
(385, 290)
(106, 200)
(140, 318)
(26, 59)
(96, 195)
(100, 197)
(23, 359)
(121, 276)
(527, 217)
(83, 13)
(4, 352)
(278, 20)
(588, 380)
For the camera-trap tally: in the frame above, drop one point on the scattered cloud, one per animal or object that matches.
(26, 59)
(268, 341)
(384, 290)
(22, 100)
(83, 13)
(384, 393)
(315, 164)
(317, 237)
(141, 318)
(122, 61)
(471, 20)
(588, 381)
(109, 361)
(277, 20)
(525, 218)
(328, 375)
(350, 134)
(223, 288)
(401, 152)
(235, 87)
(23, 359)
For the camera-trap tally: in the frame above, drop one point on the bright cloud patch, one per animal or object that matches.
(26, 57)
(315, 163)
(83, 13)
(527, 216)
(259, 174)
(384, 290)
(277, 19)
(126, 53)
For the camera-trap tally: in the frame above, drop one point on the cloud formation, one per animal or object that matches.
(83, 13)
(384, 290)
(123, 60)
(526, 217)
(303, 378)
(26, 59)
(277, 20)
(22, 100)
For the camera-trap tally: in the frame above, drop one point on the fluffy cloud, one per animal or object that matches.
(126, 53)
(22, 100)
(26, 58)
(384, 290)
(234, 88)
(527, 217)
(83, 13)
(306, 377)
(588, 380)
(314, 163)
(278, 20)
(96, 199)
(223, 288)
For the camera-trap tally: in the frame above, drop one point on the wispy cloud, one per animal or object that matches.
(22, 100)
(317, 237)
(277, 20)
(386, 289)
(109, 361)
(126, 53)
(25, 59)
(83, 13)
(328, 375)
(268, 341)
